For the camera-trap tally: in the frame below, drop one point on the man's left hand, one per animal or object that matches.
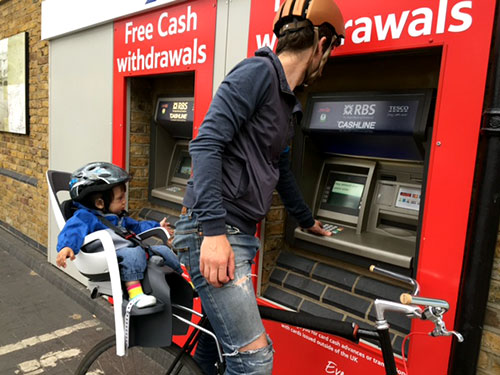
(317, 229)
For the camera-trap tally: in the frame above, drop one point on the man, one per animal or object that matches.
(240, 157)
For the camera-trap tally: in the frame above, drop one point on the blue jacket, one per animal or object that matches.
(84, 221)
(241, 153)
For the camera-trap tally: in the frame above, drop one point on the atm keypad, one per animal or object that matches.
(333, 228)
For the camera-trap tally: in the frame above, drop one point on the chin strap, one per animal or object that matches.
(313, 73)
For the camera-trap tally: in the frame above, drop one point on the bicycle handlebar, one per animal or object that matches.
(397, 276)
(433, 311)
(408, 299)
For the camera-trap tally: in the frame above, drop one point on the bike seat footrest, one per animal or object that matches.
(160, 306)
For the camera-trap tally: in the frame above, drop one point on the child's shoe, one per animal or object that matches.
(144, 300)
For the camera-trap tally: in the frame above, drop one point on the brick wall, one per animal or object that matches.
(274, 240)
(141, 108)
(24, 158)
(489, 357)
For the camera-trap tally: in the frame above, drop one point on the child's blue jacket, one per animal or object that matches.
(84, 221)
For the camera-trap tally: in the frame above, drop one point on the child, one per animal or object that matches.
(99, 189)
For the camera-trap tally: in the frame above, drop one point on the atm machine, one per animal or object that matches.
(170, 166)
(368, 188)
(360, 162)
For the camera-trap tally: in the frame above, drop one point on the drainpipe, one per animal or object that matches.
(483, 225)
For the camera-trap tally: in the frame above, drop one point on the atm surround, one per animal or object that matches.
(172, 127)
(368, 192)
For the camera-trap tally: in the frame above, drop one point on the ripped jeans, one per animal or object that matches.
(231, 309)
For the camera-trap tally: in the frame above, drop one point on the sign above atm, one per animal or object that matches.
(377, 112)
(171, 39)
(377, 22)
(380, 124)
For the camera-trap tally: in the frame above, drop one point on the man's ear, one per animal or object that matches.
(99, 203)
(322, 46)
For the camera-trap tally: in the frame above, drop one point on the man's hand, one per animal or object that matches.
(217, 260)
(317, 228)
(65, 252)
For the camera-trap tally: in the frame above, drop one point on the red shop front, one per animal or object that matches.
(458, 35)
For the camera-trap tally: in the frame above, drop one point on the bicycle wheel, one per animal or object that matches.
(102, 360)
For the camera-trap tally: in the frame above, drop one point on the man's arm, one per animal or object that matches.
(236, 100)
(292, 198)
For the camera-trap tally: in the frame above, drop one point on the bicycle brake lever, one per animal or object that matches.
(440, 330)
(435, 316)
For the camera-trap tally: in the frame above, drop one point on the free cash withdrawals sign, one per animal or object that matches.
(173, 39)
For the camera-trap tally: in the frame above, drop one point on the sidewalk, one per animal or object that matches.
(47, 319)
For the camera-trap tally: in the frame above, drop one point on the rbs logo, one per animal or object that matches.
(359, 109)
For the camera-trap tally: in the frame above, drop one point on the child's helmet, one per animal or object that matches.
(313, 12)
(95, 177)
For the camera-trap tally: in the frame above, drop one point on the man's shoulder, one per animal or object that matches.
(257, 64)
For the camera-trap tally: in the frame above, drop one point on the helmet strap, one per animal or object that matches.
(313, 73)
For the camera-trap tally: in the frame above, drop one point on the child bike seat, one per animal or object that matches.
(97, 261)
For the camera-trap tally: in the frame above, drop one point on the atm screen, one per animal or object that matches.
(343, 193)
(181, 166)
(184, 167)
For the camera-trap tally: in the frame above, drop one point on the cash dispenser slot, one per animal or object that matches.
(369, 189)
(396, 225)
(170, 167)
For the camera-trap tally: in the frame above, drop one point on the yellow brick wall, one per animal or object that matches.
(489, 357)
(24, 206)
(141, 109)
(274, 238)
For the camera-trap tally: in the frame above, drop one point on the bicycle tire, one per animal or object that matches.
(102, 360)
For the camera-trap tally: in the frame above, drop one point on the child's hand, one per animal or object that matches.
(166, 225)
(65, 252)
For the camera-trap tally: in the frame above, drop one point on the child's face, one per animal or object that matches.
(119, 201)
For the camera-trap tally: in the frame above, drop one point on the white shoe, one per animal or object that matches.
(144, 300)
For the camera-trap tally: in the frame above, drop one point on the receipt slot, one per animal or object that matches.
(170, 167)
(368, 191)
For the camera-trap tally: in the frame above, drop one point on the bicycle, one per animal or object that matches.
(178, 360)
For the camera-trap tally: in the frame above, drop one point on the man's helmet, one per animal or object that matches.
(94, 177)
(317, 12)
(295, 15)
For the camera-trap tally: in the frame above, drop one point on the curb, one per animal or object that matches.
(72, 288)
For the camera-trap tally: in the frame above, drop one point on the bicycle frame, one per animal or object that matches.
(409, 306)
(379, 333)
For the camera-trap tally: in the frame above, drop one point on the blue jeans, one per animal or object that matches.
(231, 309)
(132, 261)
